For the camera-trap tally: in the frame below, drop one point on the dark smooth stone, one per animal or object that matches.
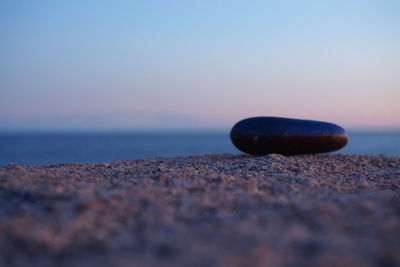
(266, 135)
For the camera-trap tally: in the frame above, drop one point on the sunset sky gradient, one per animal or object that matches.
(73, 65)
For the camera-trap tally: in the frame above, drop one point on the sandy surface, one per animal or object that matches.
(217, 210)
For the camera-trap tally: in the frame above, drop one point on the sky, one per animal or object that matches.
(73, 65)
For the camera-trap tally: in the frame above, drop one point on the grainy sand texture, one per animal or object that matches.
(214, 210)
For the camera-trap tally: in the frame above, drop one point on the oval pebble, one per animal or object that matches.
(266, 135)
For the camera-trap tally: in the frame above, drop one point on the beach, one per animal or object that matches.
(211, 210)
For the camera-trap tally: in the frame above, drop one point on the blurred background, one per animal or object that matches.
(91, 81)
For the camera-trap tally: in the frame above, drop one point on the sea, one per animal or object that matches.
(69, 147)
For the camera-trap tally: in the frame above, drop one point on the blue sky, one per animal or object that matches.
(197, 64)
